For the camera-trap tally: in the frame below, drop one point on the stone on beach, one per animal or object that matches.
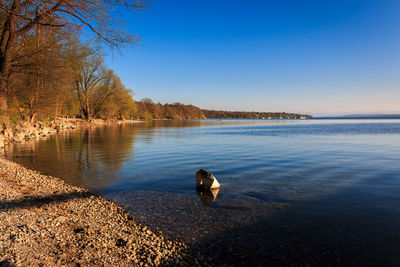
(206, 180)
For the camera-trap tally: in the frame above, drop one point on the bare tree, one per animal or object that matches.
(89, 80)
(43, 70)
(19, 17)
(95, 86)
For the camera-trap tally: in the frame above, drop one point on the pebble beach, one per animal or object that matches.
(46, 222)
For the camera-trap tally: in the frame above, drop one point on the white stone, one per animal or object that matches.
(206, 180)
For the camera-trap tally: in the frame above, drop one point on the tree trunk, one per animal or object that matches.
(3, 94)
(8, 40)
(56, 108)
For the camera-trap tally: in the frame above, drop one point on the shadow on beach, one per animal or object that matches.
(37, 202)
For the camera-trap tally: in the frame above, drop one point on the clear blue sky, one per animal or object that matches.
(318, 57)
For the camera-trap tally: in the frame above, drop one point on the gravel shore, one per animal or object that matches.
(45, 222)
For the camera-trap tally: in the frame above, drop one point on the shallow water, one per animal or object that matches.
(294, 192)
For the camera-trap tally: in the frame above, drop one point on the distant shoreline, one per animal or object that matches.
(377, 116)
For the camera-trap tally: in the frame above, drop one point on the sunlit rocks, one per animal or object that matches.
(206, 180)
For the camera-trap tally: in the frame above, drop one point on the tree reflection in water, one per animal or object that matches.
(90, 156)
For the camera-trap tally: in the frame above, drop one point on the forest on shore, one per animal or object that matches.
(50, 69)
(146, 109)
(220, 114)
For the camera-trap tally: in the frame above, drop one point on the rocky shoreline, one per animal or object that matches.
(25, 130)
(46, 222)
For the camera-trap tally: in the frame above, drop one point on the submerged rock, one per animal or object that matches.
(207, 196)
(206, 180)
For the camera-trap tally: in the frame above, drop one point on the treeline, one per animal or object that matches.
(220, 114)
(146, 109)
(47, 70)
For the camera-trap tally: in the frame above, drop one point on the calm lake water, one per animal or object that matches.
(293, 192)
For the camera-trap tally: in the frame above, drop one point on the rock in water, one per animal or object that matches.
(206, 180)
(207, 196)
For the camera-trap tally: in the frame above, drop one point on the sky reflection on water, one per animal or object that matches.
(272, 157)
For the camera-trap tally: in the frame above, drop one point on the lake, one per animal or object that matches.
(293, 192)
